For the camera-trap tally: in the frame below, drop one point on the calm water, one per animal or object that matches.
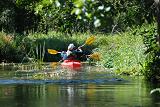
(90, 87)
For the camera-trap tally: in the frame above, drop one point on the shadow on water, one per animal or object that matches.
(89, 87)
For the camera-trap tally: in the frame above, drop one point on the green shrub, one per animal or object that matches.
(10, 48)
(123, 52)
(151, 66)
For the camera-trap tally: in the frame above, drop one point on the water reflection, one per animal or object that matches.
(155, 96)
(82, 95)
(88, 88)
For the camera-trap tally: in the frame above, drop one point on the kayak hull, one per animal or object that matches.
(72, 64)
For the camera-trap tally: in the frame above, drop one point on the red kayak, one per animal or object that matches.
(72, 64)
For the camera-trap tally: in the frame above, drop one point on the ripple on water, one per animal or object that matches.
(62, 81)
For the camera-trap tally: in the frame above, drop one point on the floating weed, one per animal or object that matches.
(39, 76)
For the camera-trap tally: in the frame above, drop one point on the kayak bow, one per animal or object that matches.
(72, 64)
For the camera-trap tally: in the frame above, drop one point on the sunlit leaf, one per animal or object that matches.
(102, 15)
(88, 14)
(46, 2)
(38, 9)
(77, 11)
(101, 7)
(97, 23)
(107, 9)
(73, 11)
(57, 3)
(51, 1)
(79, 17)
(79, 3)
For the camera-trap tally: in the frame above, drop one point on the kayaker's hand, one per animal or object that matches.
(79, 49)
(88, 55)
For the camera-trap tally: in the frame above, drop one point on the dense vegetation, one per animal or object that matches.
(123, 52)
(68, 16)
(30, 27)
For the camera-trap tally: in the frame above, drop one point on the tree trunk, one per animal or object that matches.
(157, 4)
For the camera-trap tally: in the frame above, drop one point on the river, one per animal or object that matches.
(90, 87)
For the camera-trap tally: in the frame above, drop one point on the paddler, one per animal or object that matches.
(72, 52)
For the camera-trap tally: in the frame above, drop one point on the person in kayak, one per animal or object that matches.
(72, 52)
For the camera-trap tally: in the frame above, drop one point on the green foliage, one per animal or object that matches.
(122, 52)
(114, 15)
(33, 47)
(11, 49)
(24, 16)
(37, 56)
(91, 11)
(7, 19)
(52, 40)
(151, 66)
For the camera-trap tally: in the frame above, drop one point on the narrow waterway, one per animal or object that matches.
(89, 87)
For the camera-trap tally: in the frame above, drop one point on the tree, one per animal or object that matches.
(157, 4)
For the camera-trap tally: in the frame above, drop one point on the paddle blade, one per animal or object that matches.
(51, 51)
(90, 40)
(54, 64)
(95, 56)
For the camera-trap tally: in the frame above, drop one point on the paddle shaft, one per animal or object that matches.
(89, 41)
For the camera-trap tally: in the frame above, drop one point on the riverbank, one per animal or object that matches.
(123, 52)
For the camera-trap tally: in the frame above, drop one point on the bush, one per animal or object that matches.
(124, 52)
(10, 49)
(151, 66)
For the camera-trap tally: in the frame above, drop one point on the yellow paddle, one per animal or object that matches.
(89, 41)
(52, 51)
(95, 56)
(54, 64)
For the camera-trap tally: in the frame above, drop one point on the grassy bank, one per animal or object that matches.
(123, 52)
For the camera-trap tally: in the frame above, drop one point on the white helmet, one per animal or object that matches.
(71, 46)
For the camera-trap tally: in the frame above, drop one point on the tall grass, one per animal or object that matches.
(57, 41)
(22, 48)
(124, 52)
